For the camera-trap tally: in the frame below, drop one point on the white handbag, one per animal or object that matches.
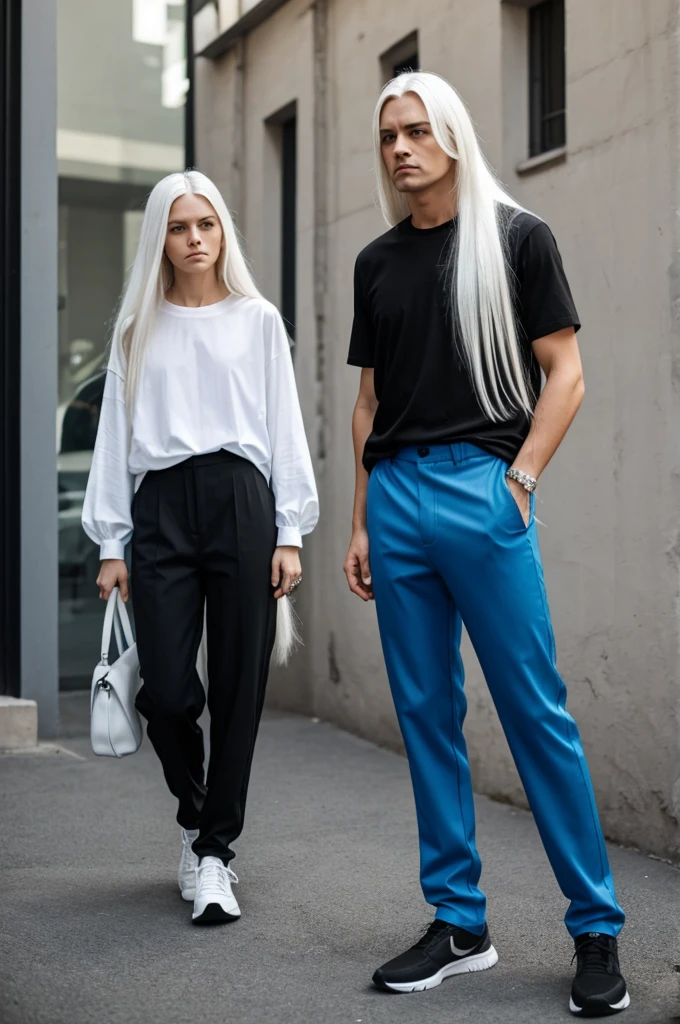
(115, 724)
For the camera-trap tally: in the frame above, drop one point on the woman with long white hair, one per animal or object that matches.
(458, 308)
(201, 459)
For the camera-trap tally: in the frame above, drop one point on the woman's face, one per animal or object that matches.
(194, 238)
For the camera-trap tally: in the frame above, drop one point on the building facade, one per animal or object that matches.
(577, 107)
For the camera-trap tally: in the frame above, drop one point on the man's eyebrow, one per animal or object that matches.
(416, 124)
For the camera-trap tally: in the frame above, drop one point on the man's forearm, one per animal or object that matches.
(555, 410)
(362, 425)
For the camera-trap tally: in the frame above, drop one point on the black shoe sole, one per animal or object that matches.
(214, 914)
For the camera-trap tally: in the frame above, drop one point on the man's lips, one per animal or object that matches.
(406, 167)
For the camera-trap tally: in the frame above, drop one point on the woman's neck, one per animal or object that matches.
(195, 290)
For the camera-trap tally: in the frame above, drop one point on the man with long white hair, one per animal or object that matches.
(458, 308)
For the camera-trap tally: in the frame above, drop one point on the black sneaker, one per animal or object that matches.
(443, 950)
(599, 990)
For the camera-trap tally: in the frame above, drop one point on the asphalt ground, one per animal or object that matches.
(93, 930)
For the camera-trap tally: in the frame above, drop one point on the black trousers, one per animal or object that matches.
(204, 535)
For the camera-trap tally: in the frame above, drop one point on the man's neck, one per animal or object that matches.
(433, 206)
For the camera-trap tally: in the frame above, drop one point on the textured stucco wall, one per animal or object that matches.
(611, 497)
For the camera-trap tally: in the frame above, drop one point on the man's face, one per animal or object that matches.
(413, 158)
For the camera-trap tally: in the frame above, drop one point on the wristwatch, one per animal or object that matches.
(527, 482)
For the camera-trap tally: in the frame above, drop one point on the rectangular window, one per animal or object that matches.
(400, 58)
(288, 222)
(403, 66)
(547, 77)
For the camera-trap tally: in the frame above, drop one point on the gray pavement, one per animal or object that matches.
(93, 931)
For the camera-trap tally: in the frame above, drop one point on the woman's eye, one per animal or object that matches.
(207, 224)
(175, 229)
(418, 131)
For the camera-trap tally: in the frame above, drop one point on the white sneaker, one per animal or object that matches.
(214, 900)
(188, 862)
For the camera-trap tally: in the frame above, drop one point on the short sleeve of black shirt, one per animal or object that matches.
(543, 299)
(362, 340)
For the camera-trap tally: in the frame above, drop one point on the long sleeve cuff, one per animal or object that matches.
(111, 549)
(289, 536)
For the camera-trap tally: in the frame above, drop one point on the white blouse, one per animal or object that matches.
(218, 376)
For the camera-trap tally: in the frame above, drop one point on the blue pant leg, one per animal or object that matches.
(497, 580)
(420, 633)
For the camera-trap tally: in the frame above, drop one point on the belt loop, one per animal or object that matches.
(454, 458)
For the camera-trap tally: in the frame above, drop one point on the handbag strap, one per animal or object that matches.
(125, 623)
(118, 633)
(108, 625)
(116, 613)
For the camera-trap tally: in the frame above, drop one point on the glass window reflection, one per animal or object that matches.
(121, 90)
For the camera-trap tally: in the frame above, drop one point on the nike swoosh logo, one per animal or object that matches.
(459, 952)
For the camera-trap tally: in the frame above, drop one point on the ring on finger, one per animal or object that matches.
(296, 583)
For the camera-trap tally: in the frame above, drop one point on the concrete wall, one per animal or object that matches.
(611, 499)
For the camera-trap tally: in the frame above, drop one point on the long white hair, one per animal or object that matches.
(477, 272)
(152, 271)
(149, 279)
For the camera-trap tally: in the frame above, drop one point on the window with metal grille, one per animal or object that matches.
(547, 85)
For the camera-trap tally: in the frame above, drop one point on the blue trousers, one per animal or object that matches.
(448, 546)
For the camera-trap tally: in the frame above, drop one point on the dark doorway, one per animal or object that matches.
(288, 222)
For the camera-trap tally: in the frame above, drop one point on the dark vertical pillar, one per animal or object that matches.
(189, 109)
(10, 343)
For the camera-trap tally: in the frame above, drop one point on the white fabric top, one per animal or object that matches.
(217, 376)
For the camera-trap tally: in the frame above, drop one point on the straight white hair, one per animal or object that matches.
(150, 278)
(477, 271)
(152, 272)
(287, 638)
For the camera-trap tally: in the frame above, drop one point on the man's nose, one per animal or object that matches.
(402, 147)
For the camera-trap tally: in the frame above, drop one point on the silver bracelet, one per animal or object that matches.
(527, 482)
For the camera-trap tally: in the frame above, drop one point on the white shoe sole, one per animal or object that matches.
(215, 914)
(479, 962)
(613, 1007)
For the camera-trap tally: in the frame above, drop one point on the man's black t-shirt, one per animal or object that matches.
(402, 329)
